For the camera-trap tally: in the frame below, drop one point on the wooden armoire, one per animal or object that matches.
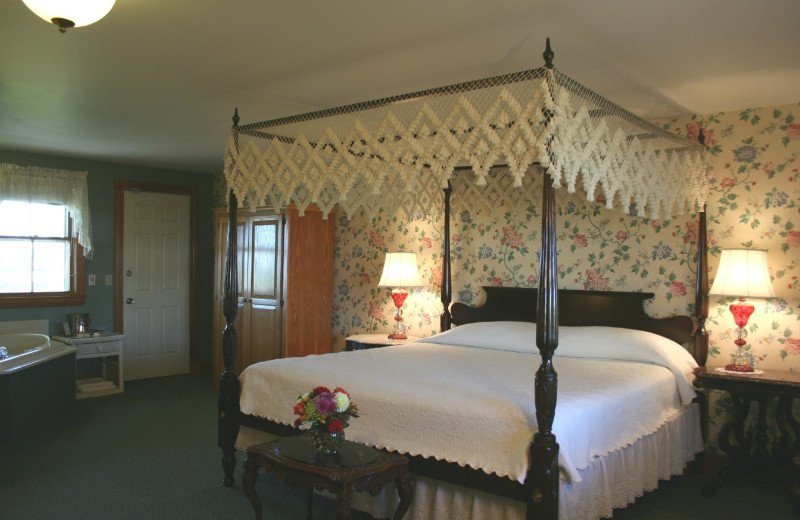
(285, 267)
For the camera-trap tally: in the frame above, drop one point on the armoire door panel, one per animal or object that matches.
(265, 337)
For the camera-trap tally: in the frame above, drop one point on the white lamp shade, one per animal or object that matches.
(81, 12)
(743, 273)
(400, 270)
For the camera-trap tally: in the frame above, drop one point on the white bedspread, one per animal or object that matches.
(473, 405)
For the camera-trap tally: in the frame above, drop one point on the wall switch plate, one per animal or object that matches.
(92, 280)
(109, 280)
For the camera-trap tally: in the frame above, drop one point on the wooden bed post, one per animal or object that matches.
(447, 285)
(701, 291)
(229, 387)
(701, 282)
(541, 481)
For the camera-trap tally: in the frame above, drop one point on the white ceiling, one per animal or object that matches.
(155, 82)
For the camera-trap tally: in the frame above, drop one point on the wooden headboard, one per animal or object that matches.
(576, 308)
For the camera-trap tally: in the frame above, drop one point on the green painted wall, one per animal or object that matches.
(99, 302)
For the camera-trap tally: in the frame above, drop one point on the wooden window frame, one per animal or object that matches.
(77, 286)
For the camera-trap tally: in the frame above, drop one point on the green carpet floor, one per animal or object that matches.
(150, 453)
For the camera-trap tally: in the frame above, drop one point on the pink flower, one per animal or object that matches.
(793, 346)
(375, 239)
(793, 131)
(693, 132)
(677, 289)
(580, 241)
(376, 311)
(793, 238)
(727, 182)
(365, 278)
(436, 277)
(532, 279)
(456, 238)
(768, 166)
(621, 235)
(692, 228)
(596, 281)
(426, 242)
(512, 238)
(496, 282)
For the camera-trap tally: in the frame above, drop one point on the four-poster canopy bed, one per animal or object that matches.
(399, 153)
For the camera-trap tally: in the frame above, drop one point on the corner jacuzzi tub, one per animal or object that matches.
(28, 350)
(37, 383)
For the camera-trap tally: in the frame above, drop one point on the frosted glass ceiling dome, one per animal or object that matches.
(67, 14)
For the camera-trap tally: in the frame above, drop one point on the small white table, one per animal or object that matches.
(366, 341)
(98, 363)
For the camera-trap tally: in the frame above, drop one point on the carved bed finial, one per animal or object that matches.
(235, 117)
(548, 55)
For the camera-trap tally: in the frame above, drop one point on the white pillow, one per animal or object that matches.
(629, 345)
(582, 342)
(514, 336)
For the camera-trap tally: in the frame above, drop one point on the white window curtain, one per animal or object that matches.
(50, 186)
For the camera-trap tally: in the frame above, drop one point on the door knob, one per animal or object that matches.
(129, 301)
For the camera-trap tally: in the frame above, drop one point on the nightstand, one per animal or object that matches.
(366, 341)
(98, 363)
(748, 452)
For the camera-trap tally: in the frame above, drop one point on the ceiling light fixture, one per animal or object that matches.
(68, 14)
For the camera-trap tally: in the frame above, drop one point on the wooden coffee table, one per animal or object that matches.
(354, 467)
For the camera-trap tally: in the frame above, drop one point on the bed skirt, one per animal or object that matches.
(609, 482)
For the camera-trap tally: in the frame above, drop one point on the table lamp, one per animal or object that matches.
(399, 271)
(742, 273)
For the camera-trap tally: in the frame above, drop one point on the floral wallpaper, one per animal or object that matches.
(754, 204)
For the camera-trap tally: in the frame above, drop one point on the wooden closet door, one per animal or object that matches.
(309, 283)
(265, 259)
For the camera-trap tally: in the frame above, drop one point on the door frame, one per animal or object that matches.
(120, 187)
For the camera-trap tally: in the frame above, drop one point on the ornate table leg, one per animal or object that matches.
(787, 452)
(405, 489)
(343, 502)
(760, 454)
(309, 503)
(249, 485)
(740, 453)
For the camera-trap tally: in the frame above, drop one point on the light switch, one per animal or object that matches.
(92, 280)
(109, 280)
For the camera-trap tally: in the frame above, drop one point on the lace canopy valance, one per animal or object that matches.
(398, 152)
(48, 186)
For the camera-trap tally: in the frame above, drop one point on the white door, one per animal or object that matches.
(156, 284)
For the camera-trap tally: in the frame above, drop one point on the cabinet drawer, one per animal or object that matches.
(105, 347)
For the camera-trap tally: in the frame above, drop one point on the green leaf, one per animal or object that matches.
(787, 333)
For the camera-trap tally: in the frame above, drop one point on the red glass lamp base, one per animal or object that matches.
(399, 297)
(741, 313)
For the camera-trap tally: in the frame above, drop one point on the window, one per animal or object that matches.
(41, 263)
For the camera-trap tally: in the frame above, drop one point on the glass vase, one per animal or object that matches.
(325, 441)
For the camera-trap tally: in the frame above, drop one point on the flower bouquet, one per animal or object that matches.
(328, 412)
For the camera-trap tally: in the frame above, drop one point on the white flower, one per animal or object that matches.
(342, 401)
